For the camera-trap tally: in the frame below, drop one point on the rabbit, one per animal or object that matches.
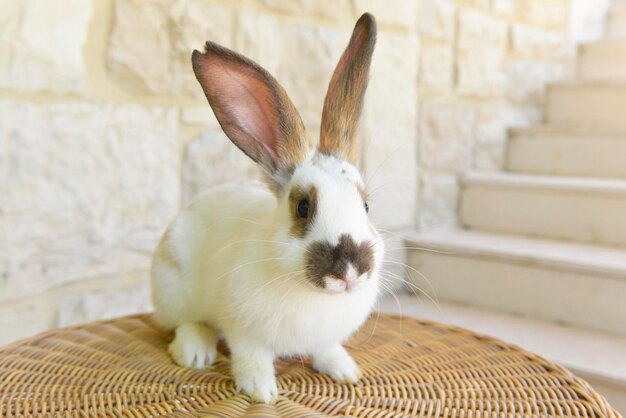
(285, 267)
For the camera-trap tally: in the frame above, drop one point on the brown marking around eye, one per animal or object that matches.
(362, 192)
(324, 259)
(300, 226)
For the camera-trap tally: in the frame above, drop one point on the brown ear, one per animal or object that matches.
(344, 99)
(252, 108)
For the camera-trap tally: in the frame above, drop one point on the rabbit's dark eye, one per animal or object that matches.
(367, 207)
(303, 208)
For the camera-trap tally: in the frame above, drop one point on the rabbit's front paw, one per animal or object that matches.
(253, 370)
(195, 346)
(260, 386)
(337, 363)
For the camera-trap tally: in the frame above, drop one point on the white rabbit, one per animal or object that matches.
(289, 269)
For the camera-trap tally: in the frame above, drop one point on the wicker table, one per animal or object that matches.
(411, 368)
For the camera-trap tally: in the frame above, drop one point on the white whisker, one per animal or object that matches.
(372, 175)
(251, 263)
(238, 218)
(269, 241)
(432, 288)
(286, 277)
(413, 288)
(429, 250)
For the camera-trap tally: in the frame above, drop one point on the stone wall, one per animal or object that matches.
(484, 65)
(104, 132)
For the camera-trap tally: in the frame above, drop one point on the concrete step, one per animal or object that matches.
(616, 25)
(603, 61)
(557, 151)
(577, 284)
(569, 208)
(589, 105)
(596, 357)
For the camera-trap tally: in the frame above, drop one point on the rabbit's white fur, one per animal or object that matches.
(291, 271)
(228, 265)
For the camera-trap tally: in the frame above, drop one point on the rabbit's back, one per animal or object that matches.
(201, 246)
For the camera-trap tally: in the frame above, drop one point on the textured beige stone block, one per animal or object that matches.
(87, 189)
(483, 4)
(548, 13)
(526, 80)
(436, 19)
(503, 7)
(538, 43)
(212, 159)
(481, 50)
(332, 10)
(493, 121)
(301, 57)
(390, 12)
(41, 44)
(259, 37)
(105, 303)
(518, 117)
(489, 157)
(437, 199)
(590, 21)
(437, 68)
(151, 43)
(446, 133)
(388, 131)
(545, 13)
(202, 116)
(491, 124)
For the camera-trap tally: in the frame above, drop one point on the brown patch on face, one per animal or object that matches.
(344, 99)
(362, 192)
(300, 226)
(324, 259)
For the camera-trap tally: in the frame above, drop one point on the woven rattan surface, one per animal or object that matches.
(410, 368)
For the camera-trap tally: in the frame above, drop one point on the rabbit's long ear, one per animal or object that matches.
(252, 108)
(344, 99)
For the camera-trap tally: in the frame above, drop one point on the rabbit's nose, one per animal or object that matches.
(352, 274)
(347, 260)
(353, 259)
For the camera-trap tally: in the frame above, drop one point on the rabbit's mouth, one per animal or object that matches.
(339, 268)
(334, 285)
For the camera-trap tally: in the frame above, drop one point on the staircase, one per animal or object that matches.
(541, 247)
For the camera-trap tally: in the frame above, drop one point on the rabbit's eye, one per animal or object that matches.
(367, 207)
(303, 208)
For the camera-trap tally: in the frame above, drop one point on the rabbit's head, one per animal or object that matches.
(322, 204)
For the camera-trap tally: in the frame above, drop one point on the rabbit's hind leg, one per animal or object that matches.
(195, 346)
